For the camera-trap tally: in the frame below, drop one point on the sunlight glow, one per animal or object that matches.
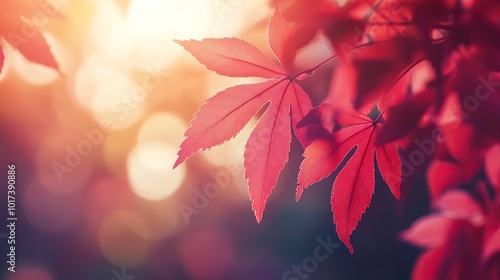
(144, 35)
(153, 24)
(150, 170)
(107, 31)
(107, 90)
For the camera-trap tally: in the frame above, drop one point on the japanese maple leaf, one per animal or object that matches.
(224, 115)
(23, 35)
(354, 185)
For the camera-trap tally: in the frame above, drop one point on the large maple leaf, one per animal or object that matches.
(22, 34)
(224, 115)
(354, 185)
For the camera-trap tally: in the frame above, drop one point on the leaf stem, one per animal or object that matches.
(311, 70)
(407, 69)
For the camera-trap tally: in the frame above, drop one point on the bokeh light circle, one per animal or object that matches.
(163, 127)
(150, 171)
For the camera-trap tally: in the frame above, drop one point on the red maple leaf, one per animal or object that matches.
(23, 35)
(461, 238)
(354, 185)
(224, 115)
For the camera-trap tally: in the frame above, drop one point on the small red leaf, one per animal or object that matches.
(443, 175)
(279, 33)
(37, 50)
(18, 28)
(233, 57)
(457, 204)
(429, 231)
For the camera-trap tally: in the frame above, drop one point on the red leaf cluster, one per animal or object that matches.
(421, 75)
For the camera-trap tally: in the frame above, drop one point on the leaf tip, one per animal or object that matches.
(277, 13)
(178, 162)
(346, 240)
(298, 193)
(258, 211)
(348, 244)
(258, 216)
(397, 194)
